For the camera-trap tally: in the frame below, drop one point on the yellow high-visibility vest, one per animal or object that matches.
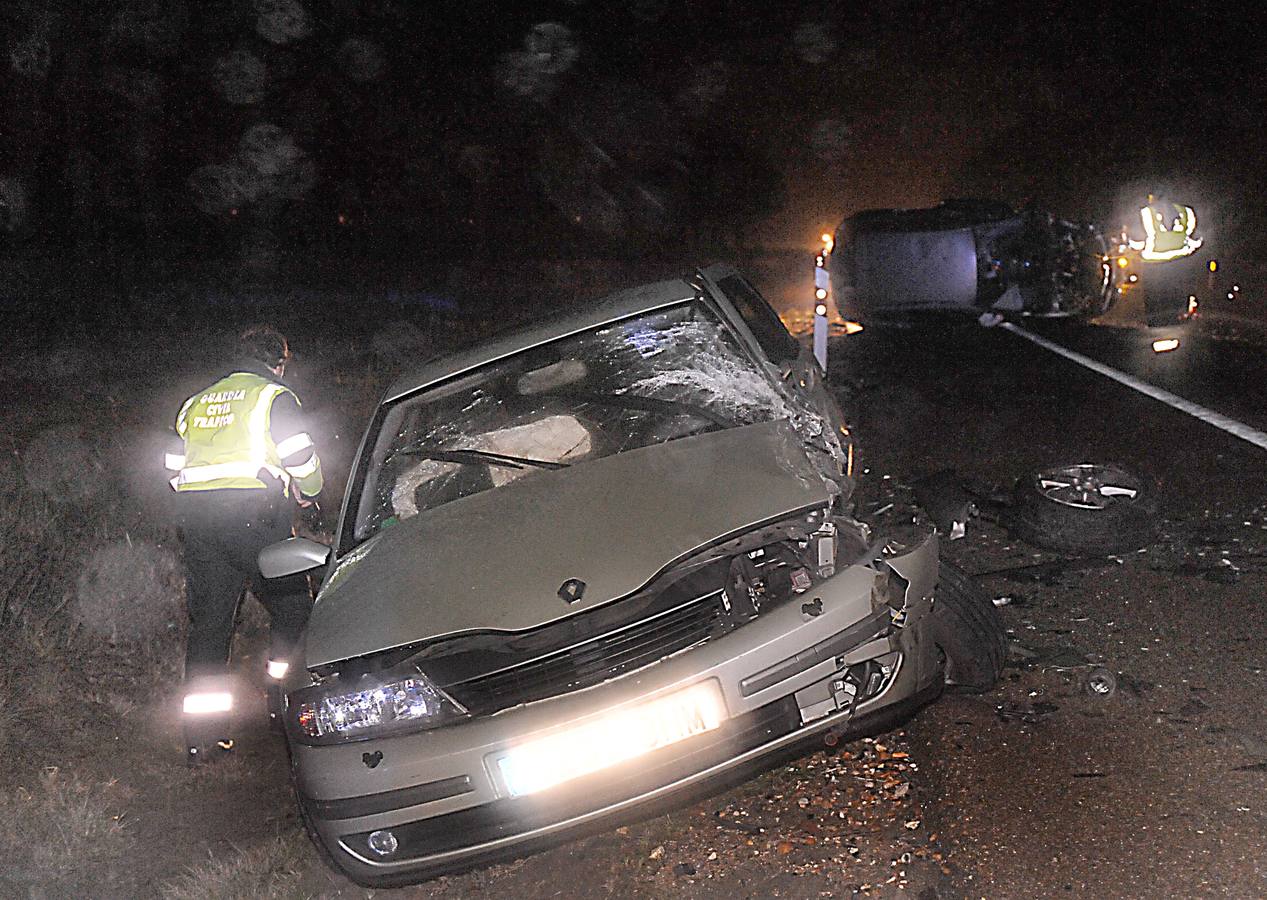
(228, 442)
(1168, 232)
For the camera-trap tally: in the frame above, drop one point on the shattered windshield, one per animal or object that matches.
(641, 381)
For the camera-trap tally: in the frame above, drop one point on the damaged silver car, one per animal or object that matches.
(596, 566)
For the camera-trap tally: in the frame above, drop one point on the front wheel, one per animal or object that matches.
(966, 626)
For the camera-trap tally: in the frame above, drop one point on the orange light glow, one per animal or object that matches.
(853, 327)
(1123, 262)
(828, 242)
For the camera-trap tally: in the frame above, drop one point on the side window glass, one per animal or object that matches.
(774, 339)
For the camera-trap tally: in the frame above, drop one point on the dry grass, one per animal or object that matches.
(70, 591)
(11, 712)
(274, 870)
(58, 464)
(30, 554)
(64, 837)
(129, 592)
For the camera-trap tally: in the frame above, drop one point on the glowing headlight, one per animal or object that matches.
(411, 701)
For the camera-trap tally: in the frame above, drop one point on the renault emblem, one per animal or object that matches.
(572, 590)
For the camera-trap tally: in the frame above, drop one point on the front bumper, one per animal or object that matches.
(442, 795)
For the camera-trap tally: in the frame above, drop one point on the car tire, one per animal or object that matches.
(1084, 508)
(967, 628)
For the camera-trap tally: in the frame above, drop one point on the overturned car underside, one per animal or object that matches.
(970, 256)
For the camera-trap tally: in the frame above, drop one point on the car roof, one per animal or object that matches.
(631, 302)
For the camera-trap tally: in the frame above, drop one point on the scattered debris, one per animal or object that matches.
(949, 506)
(1224, 572)
(1026, 713)
(1052, 571)
(1101, 683)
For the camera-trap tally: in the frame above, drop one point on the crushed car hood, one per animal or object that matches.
(499, 559)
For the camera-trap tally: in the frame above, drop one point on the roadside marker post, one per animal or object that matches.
(822, 287)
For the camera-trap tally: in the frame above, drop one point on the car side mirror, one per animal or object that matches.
(291, 557)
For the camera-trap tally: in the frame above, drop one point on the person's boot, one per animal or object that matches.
(276, 670)
(207, 707)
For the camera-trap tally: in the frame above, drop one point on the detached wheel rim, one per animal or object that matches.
(1087, 486)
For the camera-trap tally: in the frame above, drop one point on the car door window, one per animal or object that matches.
(776, 343)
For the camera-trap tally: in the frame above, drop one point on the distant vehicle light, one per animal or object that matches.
(820, 309)
(1231, 295)
(828, 242)
(1192, 306)
(818, 260)
(1132, 278)
(1236, 288)
(853, 327)
(1123, 262)
(820, 293)
(1165, 345)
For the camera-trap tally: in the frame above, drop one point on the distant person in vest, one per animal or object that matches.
(243, 460)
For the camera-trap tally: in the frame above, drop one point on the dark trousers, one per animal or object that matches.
(224, 531)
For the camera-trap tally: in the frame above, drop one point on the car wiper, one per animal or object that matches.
(646, 404)
(475, 457)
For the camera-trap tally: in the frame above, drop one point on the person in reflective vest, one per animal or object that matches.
(1168, 231)
(241, 460)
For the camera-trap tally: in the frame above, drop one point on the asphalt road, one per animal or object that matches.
(1041, 789)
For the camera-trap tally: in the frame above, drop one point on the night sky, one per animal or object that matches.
(169, 126)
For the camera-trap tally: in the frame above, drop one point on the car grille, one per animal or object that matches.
(594, 660)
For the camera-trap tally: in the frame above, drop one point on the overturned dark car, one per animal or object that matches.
(599, 565)
(969, 256)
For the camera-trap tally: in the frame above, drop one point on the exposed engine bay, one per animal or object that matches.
(698, 600)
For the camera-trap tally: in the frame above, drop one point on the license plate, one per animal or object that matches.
(612, 738)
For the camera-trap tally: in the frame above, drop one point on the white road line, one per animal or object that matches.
(1209, 416)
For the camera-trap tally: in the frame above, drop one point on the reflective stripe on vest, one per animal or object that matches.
(294, 444)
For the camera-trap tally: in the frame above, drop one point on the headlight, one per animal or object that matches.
(324, 714)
